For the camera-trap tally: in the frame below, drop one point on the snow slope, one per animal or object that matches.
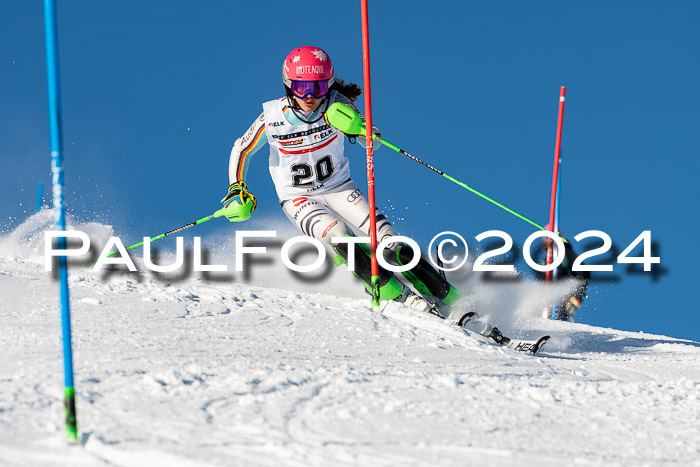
(188, 371)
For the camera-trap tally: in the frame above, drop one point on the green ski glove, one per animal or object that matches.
(346, 119)
(238, 203)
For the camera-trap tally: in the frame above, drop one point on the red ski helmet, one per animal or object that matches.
(307, 64)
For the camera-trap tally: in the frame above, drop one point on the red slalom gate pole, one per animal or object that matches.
(555, 179)
(370, 157)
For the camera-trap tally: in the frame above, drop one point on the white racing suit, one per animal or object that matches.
(311, 173)
(321, 215)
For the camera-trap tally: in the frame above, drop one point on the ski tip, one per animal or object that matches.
(539, 344)
(466, 318)
(84, 437)
(526, 347)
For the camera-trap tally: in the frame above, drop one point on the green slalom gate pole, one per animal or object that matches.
(218, 213)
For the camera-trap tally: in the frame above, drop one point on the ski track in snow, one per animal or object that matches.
(196, 372)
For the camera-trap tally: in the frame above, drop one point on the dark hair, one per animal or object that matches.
(351, 90)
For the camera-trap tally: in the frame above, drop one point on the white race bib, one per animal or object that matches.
(306, 158)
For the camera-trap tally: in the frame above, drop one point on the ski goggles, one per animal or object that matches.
(318, 89)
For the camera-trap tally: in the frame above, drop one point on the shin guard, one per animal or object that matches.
(424, 277)
(389, 287)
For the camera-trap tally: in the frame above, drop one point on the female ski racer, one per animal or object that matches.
(312, 178)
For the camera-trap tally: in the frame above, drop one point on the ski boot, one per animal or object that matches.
(415, 301)
(429, 282)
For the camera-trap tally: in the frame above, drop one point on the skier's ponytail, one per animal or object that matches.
(351, 90)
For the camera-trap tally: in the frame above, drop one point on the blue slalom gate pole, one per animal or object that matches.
(39, 195)
(54, 88)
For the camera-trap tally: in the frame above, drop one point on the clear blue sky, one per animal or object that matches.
(155, 93)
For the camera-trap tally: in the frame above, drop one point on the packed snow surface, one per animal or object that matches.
(271, 370)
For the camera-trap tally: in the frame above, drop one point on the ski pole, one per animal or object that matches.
(347, 120)
(218, 213)
(463, 185)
